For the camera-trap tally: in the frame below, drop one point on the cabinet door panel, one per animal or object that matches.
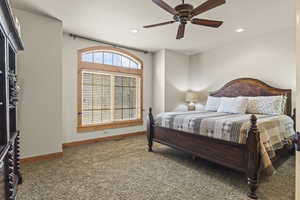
(2, 181)
(3, 92)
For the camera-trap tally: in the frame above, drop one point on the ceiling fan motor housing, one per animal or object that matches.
(184, 13)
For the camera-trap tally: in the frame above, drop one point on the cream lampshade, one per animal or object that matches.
(191, 98)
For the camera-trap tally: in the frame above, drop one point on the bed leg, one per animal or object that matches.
(293, 149)
(294, 118)
(150, 130)
(194, 158)
(253, 144)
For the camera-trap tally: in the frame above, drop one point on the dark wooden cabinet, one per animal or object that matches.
(2, 181)
(10, 44)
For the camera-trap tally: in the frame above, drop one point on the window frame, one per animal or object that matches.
(84, 66)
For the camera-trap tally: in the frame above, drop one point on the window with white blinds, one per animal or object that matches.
(110, 89)
(109, 97)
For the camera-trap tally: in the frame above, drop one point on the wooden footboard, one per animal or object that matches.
(240, 157)
(210, 149)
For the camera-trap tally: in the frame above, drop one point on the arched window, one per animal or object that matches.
(110, 83)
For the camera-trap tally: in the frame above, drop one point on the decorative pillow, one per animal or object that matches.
(284, 102)
(268, 105)
(233, 105)
(213, 103)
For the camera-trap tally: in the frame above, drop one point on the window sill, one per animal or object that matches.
(113, 125)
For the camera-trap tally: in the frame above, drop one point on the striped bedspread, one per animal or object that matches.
(275, 130)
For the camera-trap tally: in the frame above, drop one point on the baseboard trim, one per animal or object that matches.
(103, 139)
(73, 144)
(41, 158)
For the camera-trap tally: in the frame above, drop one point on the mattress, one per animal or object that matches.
(275, 130)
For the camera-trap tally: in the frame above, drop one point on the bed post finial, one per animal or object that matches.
(150, 130)
(253, 144)
(253, 122)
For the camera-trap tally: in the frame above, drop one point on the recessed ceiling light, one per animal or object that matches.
(134, 31)
(239, 30)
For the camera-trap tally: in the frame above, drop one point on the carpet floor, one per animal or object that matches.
(124, 170)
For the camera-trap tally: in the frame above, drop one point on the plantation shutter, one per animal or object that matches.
(96, 98)
(109, 97)
(126, 98)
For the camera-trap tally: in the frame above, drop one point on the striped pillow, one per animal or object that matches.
(213, 103)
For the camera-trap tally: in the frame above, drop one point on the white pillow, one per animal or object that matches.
(267, 105)
(233, 105)
(213, 103)
(199, 107)
(181, 108)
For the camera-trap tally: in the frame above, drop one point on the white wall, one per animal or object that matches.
(70, 47)
(40, 75)
(177, 78)
(170, 80)
(269, 57)
(159, 62)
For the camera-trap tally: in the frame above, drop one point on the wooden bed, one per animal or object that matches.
(240, 157)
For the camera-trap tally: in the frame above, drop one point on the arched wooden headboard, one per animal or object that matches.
(253, 87)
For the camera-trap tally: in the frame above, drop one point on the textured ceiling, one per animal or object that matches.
(112, 20)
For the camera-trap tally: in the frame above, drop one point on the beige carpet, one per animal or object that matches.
(124, 170)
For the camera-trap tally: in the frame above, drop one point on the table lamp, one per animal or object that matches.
(191, 98)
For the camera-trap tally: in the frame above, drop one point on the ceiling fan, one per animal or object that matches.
(184, 13)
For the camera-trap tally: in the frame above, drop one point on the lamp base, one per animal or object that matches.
(191, 107)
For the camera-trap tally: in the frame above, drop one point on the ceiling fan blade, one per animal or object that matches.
(206, 22)
(160, 24)
(181, 30)
(210, 4)
(165, 6)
